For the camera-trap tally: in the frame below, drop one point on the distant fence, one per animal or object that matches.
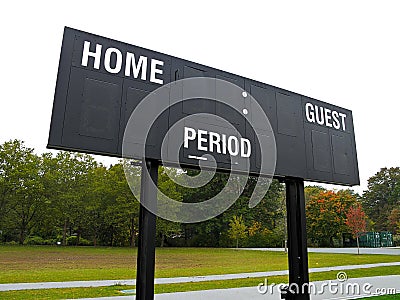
(370, 240)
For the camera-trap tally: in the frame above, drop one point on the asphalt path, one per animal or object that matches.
(387, 251)
(99, 283)
(328, 290)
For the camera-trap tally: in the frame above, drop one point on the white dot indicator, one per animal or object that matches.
(244, 94)
(245, 111)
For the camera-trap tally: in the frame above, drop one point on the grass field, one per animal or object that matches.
(44, 263)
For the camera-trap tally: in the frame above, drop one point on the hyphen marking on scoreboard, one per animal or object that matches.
(197, 157)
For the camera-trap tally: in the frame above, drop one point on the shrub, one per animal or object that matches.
(34, 240)
(73, 241)
(12, 243)
(85, 242)
(49, 242)
(265, 239)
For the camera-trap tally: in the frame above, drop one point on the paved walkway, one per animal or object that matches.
(328, 290)
(70, 284)
(388, 251)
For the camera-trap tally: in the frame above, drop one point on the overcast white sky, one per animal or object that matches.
(343, 52)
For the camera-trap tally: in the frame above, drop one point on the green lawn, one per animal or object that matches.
(45, 263)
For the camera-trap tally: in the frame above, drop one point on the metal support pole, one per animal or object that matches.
(297, 241)
(147, 232)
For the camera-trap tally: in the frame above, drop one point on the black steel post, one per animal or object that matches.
(147, 232)
(297, 241)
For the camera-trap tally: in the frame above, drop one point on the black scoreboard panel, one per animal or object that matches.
(101, 81)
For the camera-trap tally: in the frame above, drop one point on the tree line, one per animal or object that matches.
(330, 214)
(71, 199)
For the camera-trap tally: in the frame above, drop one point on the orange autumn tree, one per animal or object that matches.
(326, 215)
(357, 222)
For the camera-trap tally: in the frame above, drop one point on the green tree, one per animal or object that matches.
(270, 212)
(237, 229)
(22, 199)
(121, 208)
(168, 188)
(207, 233)
(66, 184)
(382, 196)
(214, 233)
